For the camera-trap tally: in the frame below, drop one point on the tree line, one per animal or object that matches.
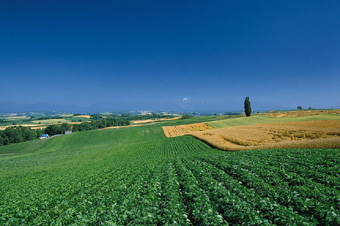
(57, 129)
(18, 134)
(100, 123)
(85, 126)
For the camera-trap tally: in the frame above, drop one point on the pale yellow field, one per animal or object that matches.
(175, 131)
(83, 116)
(154, 120)
(118, 127)
(307, 134)
(39, 127)
(73, 123)
(16, 117)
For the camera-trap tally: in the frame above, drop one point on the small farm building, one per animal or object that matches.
(44, 136)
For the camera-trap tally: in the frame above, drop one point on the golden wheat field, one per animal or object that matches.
(154, 120)
(175, 131)
(33, 126)
(307, 134)
(82, 116)
(302, 113)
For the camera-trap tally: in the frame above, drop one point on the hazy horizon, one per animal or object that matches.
(174, 107)
(86, 56)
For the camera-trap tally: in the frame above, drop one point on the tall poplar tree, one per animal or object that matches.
(247, 108)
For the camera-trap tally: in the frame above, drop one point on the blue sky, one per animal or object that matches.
(168, 55)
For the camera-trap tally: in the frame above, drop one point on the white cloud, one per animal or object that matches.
(186, 99)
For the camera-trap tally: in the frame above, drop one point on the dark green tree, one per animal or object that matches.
(185, 116)
(299, 108)
(6, 141)
(247, 107)
(52, 130)
(2, 141)
(64, 127)
(39, 132)
(75, 128)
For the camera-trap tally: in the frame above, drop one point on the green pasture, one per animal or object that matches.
(76, 119)
(63, 120)
(51, 121)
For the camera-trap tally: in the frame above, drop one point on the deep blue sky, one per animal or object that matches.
(168, 55)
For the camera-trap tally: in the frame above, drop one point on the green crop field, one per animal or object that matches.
(262, 119)
(136, 176)
(51, 121)
(62, 120)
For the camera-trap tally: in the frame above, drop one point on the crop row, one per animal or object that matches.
(257, 178)
(198, 204)
(296, 183)
(255, 208)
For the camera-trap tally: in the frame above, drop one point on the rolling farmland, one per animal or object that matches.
(295, 129)
(180, 130)
(266, 118)
(135, 176)
(42, 123)
(174, 113)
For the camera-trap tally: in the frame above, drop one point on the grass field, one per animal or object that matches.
(56, 121)
(263, 119)
(137, 176)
